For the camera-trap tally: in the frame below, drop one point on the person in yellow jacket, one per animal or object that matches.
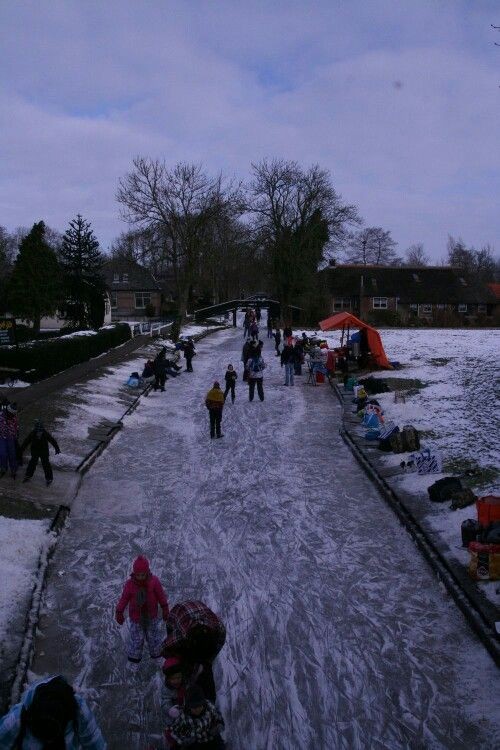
(215, 404)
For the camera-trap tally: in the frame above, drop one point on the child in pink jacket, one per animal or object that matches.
(143, 593)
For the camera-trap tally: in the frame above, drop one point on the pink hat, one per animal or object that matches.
(172, 664)
(141, 565)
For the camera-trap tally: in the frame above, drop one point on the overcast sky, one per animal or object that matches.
(399, 99)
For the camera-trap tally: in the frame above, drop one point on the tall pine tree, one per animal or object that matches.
(34, 288)
(81, 261)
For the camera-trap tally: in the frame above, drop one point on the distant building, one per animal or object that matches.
(132, 290)
(429, 293)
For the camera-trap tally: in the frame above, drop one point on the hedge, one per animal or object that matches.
(48, 358)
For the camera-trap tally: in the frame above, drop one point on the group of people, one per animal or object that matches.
(11, 450)
(195, 635)
(184, 641)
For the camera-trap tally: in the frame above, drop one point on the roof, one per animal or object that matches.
(137, 277)
(431, 285)
(495, 288)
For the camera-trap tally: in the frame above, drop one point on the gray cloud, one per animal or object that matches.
(87, 86)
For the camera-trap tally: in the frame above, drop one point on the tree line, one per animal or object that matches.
(213, 239)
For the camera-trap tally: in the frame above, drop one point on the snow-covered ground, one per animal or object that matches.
(21, 543)
(339, 636)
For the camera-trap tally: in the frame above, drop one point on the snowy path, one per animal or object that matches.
(339, 636)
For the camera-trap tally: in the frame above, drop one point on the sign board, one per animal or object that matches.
(7, 331)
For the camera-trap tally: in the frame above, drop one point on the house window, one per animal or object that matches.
(481, 308)
(440, 306)
(416, 277)
(426, 308)
(116, 278)
(107, 306)
(142, 299)
(414, 307)
(463, 281)
(380, 303)
(342, 303)
(125, 278)
(462, 307)
(114, 300)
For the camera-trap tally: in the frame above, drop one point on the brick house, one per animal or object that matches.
(132, 289)
(429, 293)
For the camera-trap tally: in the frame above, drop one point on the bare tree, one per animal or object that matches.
(372, 246)
(416, 256)
(299, 219)
(180, 205)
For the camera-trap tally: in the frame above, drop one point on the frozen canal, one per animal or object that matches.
(339, 636)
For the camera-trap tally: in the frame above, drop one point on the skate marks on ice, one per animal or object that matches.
(338, 635)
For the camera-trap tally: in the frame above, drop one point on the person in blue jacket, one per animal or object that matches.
(51, 715)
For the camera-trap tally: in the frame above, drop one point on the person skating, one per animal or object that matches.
(9, 434)
(245, 354)
(214, 402)
(277, 341)
(39, 439)
(230, 377)
(254, 330)
(196, 635)
(189, 353)
(51, 715)
(198, 724)
(288, 360)
(255, 367)
(287, 334)
(299, 357)
(269, 326)
(143, 594)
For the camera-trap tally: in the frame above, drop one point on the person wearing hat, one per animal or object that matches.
(198, 724)
(51, 715)
(9, 433)
(214, 402)
(142, 593)
(39, 440)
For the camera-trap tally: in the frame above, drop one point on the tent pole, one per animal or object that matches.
(342, 337)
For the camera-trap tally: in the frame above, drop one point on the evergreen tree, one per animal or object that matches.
(34, 288)
(81, 261)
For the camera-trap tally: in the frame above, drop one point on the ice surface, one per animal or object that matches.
(339, 635)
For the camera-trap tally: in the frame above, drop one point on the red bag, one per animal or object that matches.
(488, 509)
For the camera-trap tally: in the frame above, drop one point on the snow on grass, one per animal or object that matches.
(21, 542)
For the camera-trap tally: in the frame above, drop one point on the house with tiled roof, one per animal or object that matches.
(428, 293)
(134, 292)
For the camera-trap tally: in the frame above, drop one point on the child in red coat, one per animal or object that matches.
(142, 593)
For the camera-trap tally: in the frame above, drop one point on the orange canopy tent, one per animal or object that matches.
(346, 320)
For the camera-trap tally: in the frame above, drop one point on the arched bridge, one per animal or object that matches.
(234, 305)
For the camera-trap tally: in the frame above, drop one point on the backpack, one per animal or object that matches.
(411, 440)
(256, 366)
(396, 442)
(462, 498)
(443, 489)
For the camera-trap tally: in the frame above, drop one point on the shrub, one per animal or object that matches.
(384, 318)
(49, 357)
(150, 310)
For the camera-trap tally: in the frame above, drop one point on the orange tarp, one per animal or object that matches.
(343, 320)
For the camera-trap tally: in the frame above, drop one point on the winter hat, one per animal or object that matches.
(141, 565)
(216, 384)
(195, 697)
(171, 665)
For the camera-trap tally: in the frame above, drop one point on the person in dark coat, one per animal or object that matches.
(298, 358)
(277, 341)
(189, 353)
(245, 354)
(230, 377)
(160, 371)
(39, 440)
(269, 326)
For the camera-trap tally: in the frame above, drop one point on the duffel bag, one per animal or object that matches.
(442, 490)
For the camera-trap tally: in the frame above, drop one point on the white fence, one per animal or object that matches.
(147, 328)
